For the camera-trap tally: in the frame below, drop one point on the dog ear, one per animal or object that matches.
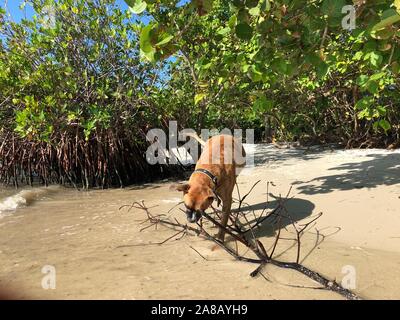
(184, 187)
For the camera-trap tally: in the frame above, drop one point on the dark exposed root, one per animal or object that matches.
(103, 161)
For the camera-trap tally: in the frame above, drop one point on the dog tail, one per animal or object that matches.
(195, 136)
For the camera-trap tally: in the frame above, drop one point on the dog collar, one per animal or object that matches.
(213, 178)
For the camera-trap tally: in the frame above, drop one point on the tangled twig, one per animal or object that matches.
(244, 231)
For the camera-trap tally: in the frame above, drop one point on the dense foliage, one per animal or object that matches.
(287, 66)
(83, 81)
(75, 99)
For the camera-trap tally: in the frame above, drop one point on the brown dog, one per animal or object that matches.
(214, 178)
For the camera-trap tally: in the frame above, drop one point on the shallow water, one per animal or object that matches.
(11, 199)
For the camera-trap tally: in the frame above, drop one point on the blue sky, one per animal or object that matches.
(17, 14)
(13, 8)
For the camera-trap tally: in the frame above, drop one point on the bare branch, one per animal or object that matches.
(249, 240)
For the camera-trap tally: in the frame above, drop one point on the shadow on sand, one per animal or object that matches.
(269, 154)
(380, 169)
(298, 209)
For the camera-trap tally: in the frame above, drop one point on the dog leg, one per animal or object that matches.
(226, 211)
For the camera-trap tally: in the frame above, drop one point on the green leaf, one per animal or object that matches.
(245, 67)
(370, 46)
(365, 114)
(358, 55)
(391, 17)
(255, 74)
(364, 103)
(362, 80)
(136, 6)
(145, 39)
(254, 11)
(232, 21)
(381, 110)
(244, 31)
(372, 86)
(313, 59)
(384, 124)
(321, 66)
(164, 39)
(266, 6)
(378, 76)
(199, 97)
(224, 31)
(279, 65)
(322, 69)
(375, 58)
(146, 47)
(262, 105)
(395, 67)
(397, 5)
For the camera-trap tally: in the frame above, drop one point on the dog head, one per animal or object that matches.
(197, 199)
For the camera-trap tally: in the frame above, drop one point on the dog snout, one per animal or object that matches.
(193, 215)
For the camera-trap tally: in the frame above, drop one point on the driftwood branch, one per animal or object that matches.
(243, 231)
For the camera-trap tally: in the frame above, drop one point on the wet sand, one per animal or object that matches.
(99, 252)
